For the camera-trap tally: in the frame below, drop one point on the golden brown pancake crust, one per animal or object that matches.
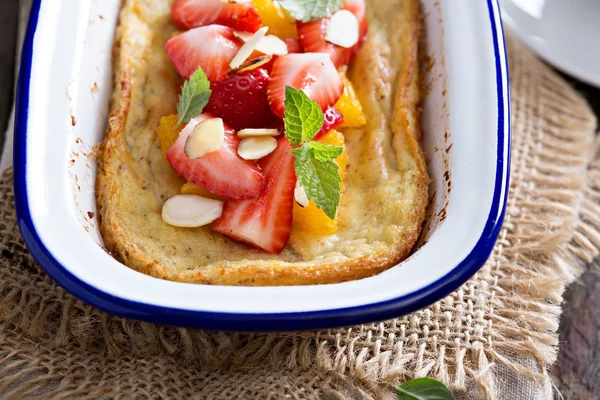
(382, 209)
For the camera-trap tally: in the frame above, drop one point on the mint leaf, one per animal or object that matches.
(423, 389)
(324, 152)
(303, 117)
(309, 10)
(320, 178)
(194, 97)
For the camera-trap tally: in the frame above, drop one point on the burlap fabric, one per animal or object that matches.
(493, 338)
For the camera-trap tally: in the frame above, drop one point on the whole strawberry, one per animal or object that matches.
(241, 100)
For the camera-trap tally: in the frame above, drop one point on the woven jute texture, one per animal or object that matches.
(495, 337)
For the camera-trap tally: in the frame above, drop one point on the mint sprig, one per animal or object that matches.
(309, 10)
(314, 162)
(319, 176)
(194, 97)
(303, 117)
(423, 389)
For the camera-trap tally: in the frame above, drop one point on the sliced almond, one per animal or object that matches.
(342, 29)
(255, 148)
(247, 48)
(246, 133)
(245, 36)
(300, 195)
(271, 44)
(207, 136)
(251, 64)
(190, 211)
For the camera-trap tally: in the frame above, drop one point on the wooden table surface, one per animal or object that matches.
(578, 367)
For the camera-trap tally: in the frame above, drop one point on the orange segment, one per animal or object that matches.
(192, 188)
(350, 106)
(279, 21)
(310, 218)
(168, 132)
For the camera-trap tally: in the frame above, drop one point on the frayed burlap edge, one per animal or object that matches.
(53, 346)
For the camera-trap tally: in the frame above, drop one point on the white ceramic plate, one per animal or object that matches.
(565, 33)
(63, 94)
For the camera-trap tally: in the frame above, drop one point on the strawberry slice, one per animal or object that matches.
(188, 14)
(210, 47)
(313, 73)
(241, 100)
(293, 45)
(222, 172)
(312, 35)
(265, 222)
(332, 119)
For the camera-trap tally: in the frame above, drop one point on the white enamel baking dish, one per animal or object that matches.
(64, 88)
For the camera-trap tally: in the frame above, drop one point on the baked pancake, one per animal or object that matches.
(383, 205)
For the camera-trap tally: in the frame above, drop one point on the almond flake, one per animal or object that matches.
(255, 148)
(300, 195)
(207, 136)
(247, 48)
(251, 64)
(342, 29)
(271, 44)
(245, 36)
(246, 133)
(190, 211)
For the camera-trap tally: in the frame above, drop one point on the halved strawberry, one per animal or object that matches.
(188, 14)
(332, 119)
(210, 47)
(241, 100)
(265, 222)
(312, 35)
(222, 172)
(313, 73)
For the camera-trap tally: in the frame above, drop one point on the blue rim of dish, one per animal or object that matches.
(260, 321)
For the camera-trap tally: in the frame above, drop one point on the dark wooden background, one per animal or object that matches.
(578, 367)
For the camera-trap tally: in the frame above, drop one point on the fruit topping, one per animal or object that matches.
(223, 171)
(242, 16)
(192, 188)
(247, 48)
(313, 73)
(279, 21)
(255, 148)
(206, 137)
(209, 47)
(190, 211)
(313, 34)
(264, 222)
(350, 107)
(293, 45)
(241, 100)
(168, 132)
